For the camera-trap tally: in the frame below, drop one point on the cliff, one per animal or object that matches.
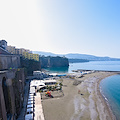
(30, 65)
(53, 62)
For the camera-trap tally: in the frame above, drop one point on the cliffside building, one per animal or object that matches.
(3, 44)
(23, 52)
(12, 80)
(14, 50)
(31, 56)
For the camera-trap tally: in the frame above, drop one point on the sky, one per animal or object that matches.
(62, 26)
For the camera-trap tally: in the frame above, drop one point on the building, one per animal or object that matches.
(3, 51)
(11, 93)
(39, 74)
(3, 44)
(27, 54)
(18, 51)
(34, 56)
(22, 50)
(11, 49)
(31, 56)
(50, 82)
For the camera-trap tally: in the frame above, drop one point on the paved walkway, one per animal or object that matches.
(38, 108)
(23, 111)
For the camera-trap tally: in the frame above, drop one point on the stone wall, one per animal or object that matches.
(12, 88)
(9, 61)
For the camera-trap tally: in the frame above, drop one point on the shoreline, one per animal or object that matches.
(88, 104)
(106, 102)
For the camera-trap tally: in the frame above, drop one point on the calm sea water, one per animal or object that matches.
(92, 65)
(110, 88)
(96, 65)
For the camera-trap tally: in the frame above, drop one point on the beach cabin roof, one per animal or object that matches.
(30, 106)
(30, 99)
(39, 87)
(29, 117)
(31, 94)
(32, 91)
(36, 83)
(29, 110)
(42, 84)
(30, 102)
(49, 81)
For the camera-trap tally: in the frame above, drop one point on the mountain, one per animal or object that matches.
(77, 60)
(89, 57)
(78, 56)
(44, 53)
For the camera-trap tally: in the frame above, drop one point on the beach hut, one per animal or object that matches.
(30, 106)
(30, 102)
(32, 90)
(29, 117)
(29, 111)
(30, 99)
(31, 95)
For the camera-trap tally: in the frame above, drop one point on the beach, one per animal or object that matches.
(79, 102)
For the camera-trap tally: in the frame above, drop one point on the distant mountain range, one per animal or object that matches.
(78, 56)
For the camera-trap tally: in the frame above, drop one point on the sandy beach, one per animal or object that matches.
(81, 102)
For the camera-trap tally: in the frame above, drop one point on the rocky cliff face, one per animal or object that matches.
(30, 65)
(54, 62)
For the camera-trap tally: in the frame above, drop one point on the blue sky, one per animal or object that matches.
(62, 26)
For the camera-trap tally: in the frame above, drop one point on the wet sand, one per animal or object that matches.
(81, 102)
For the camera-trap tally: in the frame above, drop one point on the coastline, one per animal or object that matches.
(103, 98)
(88, 104)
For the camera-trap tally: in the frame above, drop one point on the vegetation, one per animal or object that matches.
(30, 65)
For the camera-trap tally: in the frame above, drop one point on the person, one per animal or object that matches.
(78, 91)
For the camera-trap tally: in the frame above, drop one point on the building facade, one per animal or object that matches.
(14, 50)
(11, 93)
(31, 56)
(3, 44)
(27, 54)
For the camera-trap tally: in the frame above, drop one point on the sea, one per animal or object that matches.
(109, 87)
(92, 65)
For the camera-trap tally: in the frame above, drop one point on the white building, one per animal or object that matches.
(39, 74)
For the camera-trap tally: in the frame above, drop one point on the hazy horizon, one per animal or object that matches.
(76, 53)
(61, 27)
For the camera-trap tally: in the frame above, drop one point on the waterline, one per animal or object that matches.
(110, 89)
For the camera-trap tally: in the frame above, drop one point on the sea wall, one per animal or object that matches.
(9, 61)
(11, 93)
